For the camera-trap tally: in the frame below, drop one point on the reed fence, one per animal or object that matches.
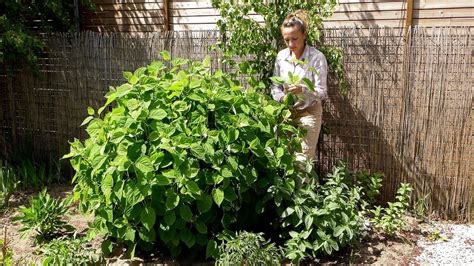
(408, 112)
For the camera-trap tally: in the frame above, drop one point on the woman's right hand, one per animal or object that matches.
(295, 89)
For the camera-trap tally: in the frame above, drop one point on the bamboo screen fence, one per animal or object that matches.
(408, 112)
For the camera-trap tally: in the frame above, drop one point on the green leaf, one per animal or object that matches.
(287, 212)
(308, 84)
(218, 196)
(148, 217)
(278, 80)
(170, 217)
(106, 247)
(193, 187)
(129, 234)
(233, 134)
(133, 104)
(147, 235)
(226, 172)
(338, 231)
(165, 55)
(211, 249)
(204, 204)
(187, 237)
(308, 221)
(90, 110)
(294, 234)
(172, 200)
(87, 120)
(186, 213)
(162, 180)
(110, 98)
(201, 228)
(280, 152)
(217, 178)
(269, 109)
(157, 114)
(207, 61)
(144, 164)
(106, 187)
(229, 194)
(196, 97)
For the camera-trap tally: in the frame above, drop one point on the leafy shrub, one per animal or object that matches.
(246, 248)
(324, 217)
(8, 183)
(68, 251)
(181, 155)
(44, 217)
(390, 219)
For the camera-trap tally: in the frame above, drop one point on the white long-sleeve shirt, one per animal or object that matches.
(315, 60)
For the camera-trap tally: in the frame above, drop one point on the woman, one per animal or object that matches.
(300, 59)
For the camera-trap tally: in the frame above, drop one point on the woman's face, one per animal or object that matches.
(294, 39)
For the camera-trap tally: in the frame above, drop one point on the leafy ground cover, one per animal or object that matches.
(374, 248)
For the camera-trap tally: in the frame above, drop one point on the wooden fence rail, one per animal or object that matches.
(408, 112)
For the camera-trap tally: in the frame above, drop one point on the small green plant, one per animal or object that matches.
(245, 248)
(6, 253)
(436, 235)
(68, 251)
(420, 207)
(390, 219)
(371, 184)
(44, 217)
(8, 183)
(32, 175)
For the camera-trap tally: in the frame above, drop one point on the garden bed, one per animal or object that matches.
(419, 243)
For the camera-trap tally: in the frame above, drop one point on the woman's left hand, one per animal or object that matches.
(295, 89)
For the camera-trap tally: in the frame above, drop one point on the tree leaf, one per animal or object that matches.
(170, 218)
(165, 55)
(338, 231)
(186, 213)
(157, 114)
(187, 237)
(172, 200)
(147, 235)
(193, 187)
(148, 217)
(204, 204)
(144, 164)
(308, 84)
(218, 196)
(201, 228)
(211, 249)
(106, 246)
(162, 180)
(87, 120)
(106, 186)
(90, 110)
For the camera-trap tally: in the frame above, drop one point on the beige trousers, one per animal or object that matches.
(310, 119)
